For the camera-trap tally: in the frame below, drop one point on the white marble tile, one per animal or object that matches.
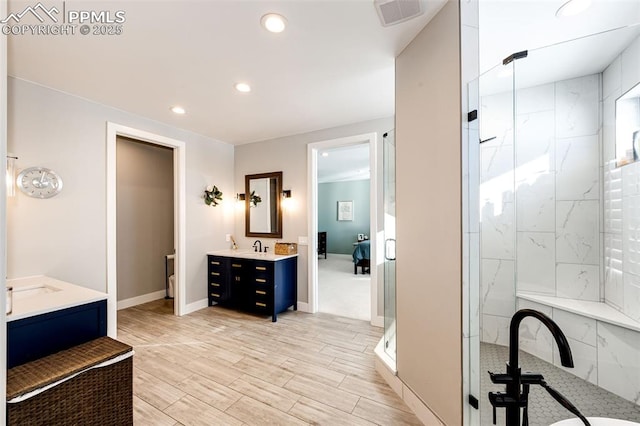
(498, 287)
(535, 338)
(495, 330)
(619, 361)
(576, 327)
(474, 284)
(631, 234)
(496, 163)
(630, 65)
(577, 107)
(631, 306)
(612, 78)
(469, 13)
(466, 306)
(536, 274)
(536, 204)
(496, 118)
(497, 231)
(577, 232)
(585, 360)
(578, 168)
(470, 59)
(474, 181)
(609, 126)
(631, 179)
(575, 281)
(536, 99)
(535, 141)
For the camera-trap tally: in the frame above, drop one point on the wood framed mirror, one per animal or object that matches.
(263, 205)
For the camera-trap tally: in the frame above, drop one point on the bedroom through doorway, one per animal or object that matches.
(344, 223)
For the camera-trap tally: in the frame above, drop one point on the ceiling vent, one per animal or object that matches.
(395, 11)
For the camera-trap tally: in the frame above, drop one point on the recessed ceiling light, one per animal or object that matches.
(243, 87)
(273, 22)
(325, 154)
(573, 7)
(178, 110)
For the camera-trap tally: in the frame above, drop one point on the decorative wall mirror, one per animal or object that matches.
(628, 127)
(263, 212)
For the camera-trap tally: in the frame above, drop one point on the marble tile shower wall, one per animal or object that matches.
(539, 198)
(621, 194)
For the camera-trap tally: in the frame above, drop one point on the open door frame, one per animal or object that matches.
(179, 215)
(312, 163)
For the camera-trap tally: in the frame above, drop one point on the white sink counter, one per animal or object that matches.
(250, 254)
(40, 295)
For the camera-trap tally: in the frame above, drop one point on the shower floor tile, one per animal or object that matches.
(591, 400)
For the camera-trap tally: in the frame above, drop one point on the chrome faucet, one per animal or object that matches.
(515, 398)
(257, 248)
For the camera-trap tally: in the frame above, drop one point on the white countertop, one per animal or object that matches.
(250, 254)
(40, 295)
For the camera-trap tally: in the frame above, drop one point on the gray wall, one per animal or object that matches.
(145, 220)
(289, 154)
(342, 234)
(429, 252)
(68, 134)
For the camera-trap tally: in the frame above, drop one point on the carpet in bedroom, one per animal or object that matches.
(340, 291)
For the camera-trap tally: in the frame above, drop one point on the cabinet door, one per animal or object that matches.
(238, 285)
(218, 279)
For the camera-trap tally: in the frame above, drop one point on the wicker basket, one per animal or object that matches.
(95, 396)
(286, 248)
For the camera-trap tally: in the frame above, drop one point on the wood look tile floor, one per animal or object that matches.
(218, 366)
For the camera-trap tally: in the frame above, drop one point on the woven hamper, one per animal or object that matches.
(91, 384)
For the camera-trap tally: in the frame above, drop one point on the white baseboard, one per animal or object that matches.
(377, 321)
(419, 408)
(304, 307)
(138, 300)
(196, 306)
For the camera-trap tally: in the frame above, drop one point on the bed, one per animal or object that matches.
(361, 257)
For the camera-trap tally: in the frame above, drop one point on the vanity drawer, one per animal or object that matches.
(259, 268)
(264, 306)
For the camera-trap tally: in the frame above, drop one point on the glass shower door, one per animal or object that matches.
(389, 201)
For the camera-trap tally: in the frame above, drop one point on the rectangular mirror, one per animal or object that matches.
(263, 212)
(628, 127)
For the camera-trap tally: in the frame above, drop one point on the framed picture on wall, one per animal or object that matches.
(345, 210)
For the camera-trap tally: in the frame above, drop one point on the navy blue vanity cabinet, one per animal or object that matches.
(37, 336)
(263, 286)
(218, 279)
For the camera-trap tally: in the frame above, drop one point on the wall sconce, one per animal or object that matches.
(11, 175)
(286, 193)
(240, 197)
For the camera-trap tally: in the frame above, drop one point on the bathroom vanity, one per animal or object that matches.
(50, 315)
(265, 283)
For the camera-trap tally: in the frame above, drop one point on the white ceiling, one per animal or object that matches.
(333, 65)
(509, 26)
(344, 164)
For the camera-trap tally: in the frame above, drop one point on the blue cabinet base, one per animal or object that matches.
(35, 337)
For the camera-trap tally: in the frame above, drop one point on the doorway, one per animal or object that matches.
(344, 287)
(145, 223)
(179, 227)
(315, 151)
